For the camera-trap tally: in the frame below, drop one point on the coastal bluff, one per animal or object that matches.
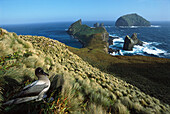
(132, 20)
(90, 37)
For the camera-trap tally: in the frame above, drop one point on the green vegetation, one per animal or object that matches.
(132, 20)
(76, 86)
(85, 33)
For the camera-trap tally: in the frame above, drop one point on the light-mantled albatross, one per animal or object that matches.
(34, 91)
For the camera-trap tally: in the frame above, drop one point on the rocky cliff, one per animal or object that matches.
(132, 20)
(86, 34)
(76, 86)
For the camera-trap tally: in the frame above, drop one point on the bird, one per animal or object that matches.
(34, 91)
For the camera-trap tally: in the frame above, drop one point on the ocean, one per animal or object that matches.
(156, 38)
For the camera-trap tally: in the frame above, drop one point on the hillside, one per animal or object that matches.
(132, 20)
(150, 74)
(76, 86)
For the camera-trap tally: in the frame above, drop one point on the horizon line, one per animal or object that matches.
(70, 21)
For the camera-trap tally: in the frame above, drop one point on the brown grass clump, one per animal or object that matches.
(40, 62)
(119, 108)
(17, 47)
(31, 61)
(2, 46)
(28, 45)
(127, 102)
(93, 109)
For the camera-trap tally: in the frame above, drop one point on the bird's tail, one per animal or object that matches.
(20, 100)
(8, 102)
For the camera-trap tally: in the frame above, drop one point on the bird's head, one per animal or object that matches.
(39, 72)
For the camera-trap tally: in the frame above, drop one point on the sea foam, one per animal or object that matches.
(155, 26)
(148, 48)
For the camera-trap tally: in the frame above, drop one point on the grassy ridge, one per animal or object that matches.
(76, 86)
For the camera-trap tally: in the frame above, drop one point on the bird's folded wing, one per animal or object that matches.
(30, 85)
(33, 90)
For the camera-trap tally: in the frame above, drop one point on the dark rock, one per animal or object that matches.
(110, 50)
(96, 25)
(130, 42)
(101, 24)
(132, 20)
(111, 38)
(110, 41)
(136, 40)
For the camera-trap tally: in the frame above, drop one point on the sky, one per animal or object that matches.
(38, 11)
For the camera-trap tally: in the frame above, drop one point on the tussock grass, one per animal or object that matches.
(31, 61)
(95, 109)
(119, 108)
(149, 74)
(2, 46)
(40, 62)
(76, 86)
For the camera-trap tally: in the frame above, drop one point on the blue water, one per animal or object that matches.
(56, 31)
(156, 38)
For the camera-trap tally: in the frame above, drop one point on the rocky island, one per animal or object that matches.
(96, 37)
(132, 20)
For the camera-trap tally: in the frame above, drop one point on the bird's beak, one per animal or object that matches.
(45, 73)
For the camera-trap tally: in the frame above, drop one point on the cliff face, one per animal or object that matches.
(76, 86)
(132, 20)
(86, 34)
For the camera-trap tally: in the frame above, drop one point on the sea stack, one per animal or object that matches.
(132, 20)
(130, 42)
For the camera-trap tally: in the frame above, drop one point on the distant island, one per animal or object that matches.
(132, 20)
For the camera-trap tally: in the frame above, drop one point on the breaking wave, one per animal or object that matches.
(148, 49)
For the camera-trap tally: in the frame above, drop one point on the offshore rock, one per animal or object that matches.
(136, 40)
(96, 25)
(130, 42)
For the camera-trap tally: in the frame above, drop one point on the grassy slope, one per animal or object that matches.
(149, 74)
(76, 85)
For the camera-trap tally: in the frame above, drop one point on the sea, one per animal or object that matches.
(156, 38)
